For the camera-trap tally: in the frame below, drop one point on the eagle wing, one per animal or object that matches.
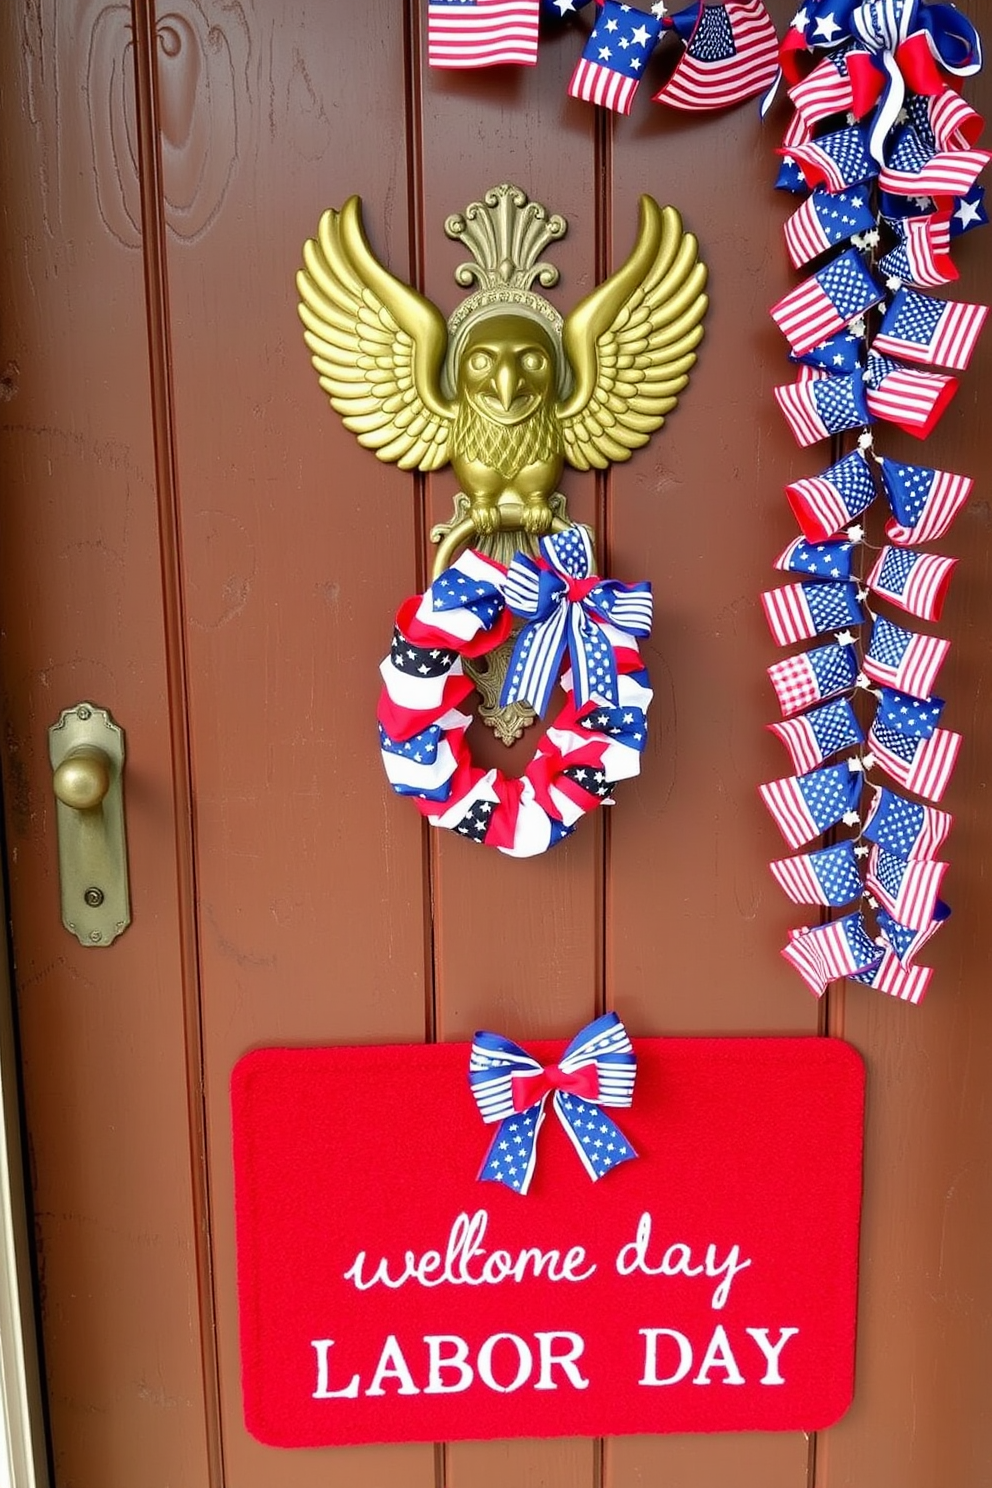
(630, 344)
(376, 344)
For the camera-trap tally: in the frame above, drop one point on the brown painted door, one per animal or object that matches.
(192, 540)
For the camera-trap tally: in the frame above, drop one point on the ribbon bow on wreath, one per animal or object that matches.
(895, 45)
(511, 1087)
(568, 605)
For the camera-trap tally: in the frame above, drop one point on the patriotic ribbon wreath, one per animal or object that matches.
(881, 145)
(596, 739)
(510, 1086)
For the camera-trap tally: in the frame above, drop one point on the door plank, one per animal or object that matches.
(517, 942)
(102, 1033)
(694, 918)
(298, 545)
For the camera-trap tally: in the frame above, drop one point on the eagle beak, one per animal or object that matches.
(507, 384)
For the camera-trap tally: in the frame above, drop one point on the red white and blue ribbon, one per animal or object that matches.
(511, 1087)
(568, 606)
(730, 50)
(594, 741)
(883, 148)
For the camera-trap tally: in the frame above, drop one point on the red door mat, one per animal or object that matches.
(709, 1284)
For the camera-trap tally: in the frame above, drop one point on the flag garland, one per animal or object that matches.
(883, 151)
(596, 739)
(730, 50)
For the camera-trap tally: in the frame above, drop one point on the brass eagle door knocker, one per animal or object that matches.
(506, 390)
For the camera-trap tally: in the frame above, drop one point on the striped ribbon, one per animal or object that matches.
(567, 605)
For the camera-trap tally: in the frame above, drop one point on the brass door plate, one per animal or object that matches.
(86, 748)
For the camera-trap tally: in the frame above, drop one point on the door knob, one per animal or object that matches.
(86, 748)
(83, 779)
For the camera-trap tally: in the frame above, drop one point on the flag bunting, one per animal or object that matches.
(884, 154)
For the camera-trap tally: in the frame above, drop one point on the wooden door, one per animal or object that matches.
(192, 540)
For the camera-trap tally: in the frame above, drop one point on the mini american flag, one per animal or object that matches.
(903, 659)
(924, 502)
(732, 54)
(923, 257)
(827, 952)
(906, 828)
(916, 582)
(823, 504)
(613, 59)
(840, 353)
(826, 302)
(914, 170)
(482, 33)
(816, 407)
(836, 160)
(919, 328)
(906, 887)
(796, 612)
(829, 876)
(908, 983)
(969, 212)
(912, 400)
(803, 806)
(923, 765)
(813, 675)
(826, 91)
(825, 560)
(816, 735)
(826, 219)
(904, 942)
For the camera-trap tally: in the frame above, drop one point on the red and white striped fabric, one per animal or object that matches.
(955, 124)
(704, 82)
(792, 816)
(825, 953)
(925, 769)
(487, 33)
(603, 85)
(927, 246)
(950, 342)
(923, 589)
(798, 881)
(913, 668)
(826, 302)
(825, 91)
(908, 983)
(912, 400)
(907, 887)
(949, 173)
(947, 496)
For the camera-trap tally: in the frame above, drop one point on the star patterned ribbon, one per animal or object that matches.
(510, 1086)
(569, 606)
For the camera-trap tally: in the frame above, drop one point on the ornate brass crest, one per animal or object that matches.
(506, 390)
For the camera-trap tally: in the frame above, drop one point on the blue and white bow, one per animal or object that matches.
(564, 602)
(511, 1087)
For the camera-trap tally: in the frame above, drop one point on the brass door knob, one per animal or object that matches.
(86, 749)
(82, 780)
